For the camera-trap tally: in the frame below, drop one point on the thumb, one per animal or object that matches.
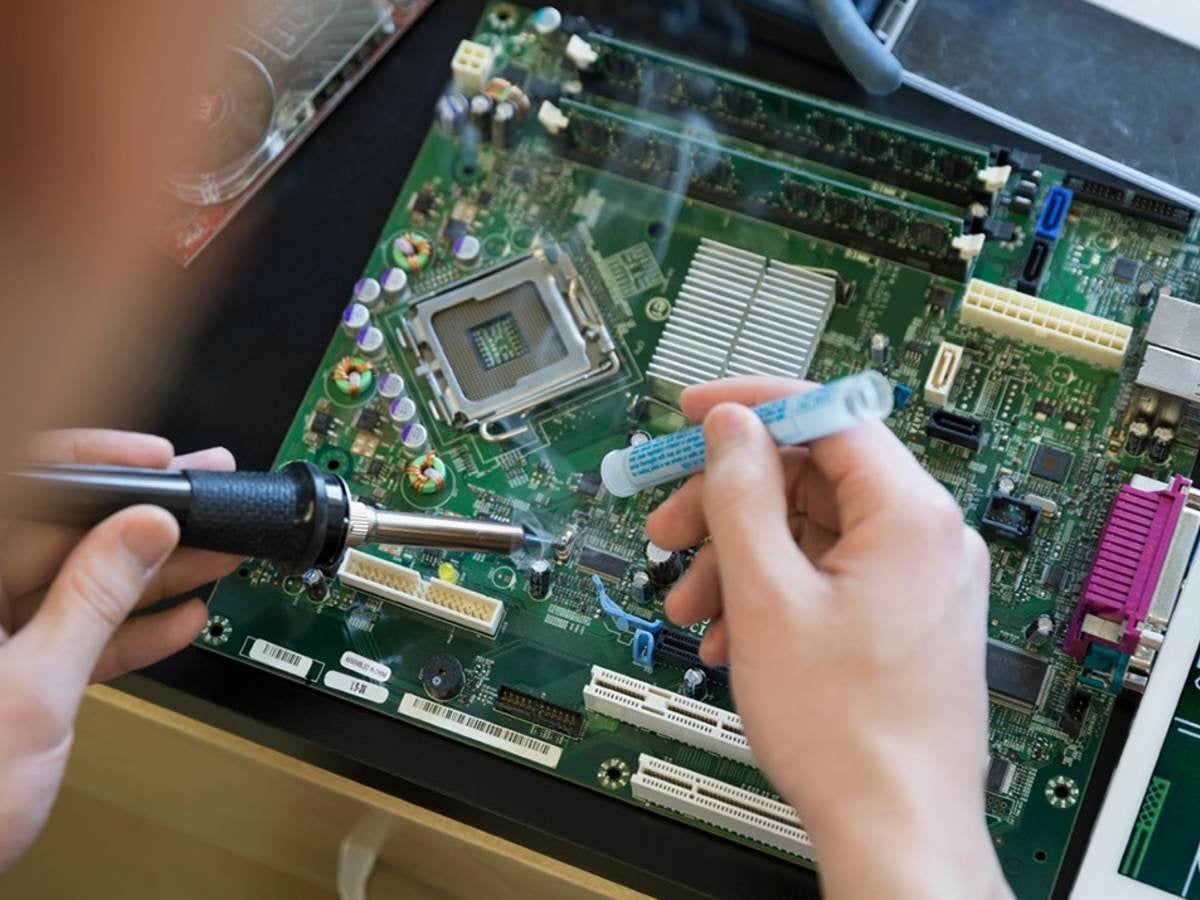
(746, 505)
(97, 587)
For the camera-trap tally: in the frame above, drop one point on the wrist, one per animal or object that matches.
(903, 835)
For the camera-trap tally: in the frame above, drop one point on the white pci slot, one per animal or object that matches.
(668, 714)
(450, 602)
(714, 802)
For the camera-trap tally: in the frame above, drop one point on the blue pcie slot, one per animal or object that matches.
(1054, 212)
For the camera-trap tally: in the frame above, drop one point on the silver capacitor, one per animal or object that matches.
(355, 318)
(451, 113)
(640, 588)
(504, 125)
(1039, 630)
(881, 344)
(482, 107)
(414, 438)
(391, 386)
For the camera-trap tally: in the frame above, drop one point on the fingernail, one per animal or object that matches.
(148, 542)
(724, 429)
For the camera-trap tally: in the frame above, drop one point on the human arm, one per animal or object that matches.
(850, 600)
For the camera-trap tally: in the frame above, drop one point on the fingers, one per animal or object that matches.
(101, 445)
(714, 649)
(145, 640)
(678, 523)
(185, 570)
(747, 508)
(32, 552)
(698, 399)
(697, 595)
(99, 584)
(215, 459)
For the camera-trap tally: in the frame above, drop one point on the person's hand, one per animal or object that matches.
(850, 601)
(64, 599)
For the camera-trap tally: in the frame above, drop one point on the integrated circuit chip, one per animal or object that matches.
(603, 563)
(589, 485)
(1051, 463)
(322, 423)
(1125, 269)
(1017, 676)
(999, 775)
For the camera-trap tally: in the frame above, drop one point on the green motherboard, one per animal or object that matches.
(592, 225)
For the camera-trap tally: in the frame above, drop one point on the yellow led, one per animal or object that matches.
(447, 572)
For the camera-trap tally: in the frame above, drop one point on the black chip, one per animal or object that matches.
(455, 229)
(520, 176)
(999, 775)
(1016, 675)
(1000, 230)
(514, 73)
(1051, 463)
(1054, 576)
(941, 298)
(544, 89)
(1042, 408)
(374, 467)
(423, 202)
(589, 484)
(602, 562)
(1074, 714)
(485, 197)
(1125, 269)
(322, 423)
(1070, 417)
(368, 420)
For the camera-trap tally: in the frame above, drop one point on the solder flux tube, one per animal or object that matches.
(795, 419)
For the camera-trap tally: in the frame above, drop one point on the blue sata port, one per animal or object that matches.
(1054, 212)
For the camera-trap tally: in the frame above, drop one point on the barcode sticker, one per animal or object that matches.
(368, 667)
(477, 729)
(280, 658)
(356, 687)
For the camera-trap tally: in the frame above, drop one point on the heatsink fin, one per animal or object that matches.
(739, 313)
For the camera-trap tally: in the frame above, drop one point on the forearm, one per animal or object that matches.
(902, 841)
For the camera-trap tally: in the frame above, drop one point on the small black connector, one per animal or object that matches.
(681, 649)
(1034, 269)
(1007, 518)
(953, 428)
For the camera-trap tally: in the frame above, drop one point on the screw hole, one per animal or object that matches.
(612, 773)
(244, 572)
(1039, 855)
(1062, 791)
(216, 630)
(656, 229)
(333, 465)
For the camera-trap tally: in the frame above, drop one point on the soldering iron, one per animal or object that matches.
(299, 516)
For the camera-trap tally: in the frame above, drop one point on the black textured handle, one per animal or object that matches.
(295, 516)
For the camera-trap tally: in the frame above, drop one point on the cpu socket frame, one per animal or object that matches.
(450, 331)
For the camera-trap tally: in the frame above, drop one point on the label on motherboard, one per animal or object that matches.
(374, 670)
(355, 687)
(477, 729)
(280, 658)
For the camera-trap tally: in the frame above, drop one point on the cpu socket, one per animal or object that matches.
(509, 339)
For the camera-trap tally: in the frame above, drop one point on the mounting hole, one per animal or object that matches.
(614, 773)
(216, 629)
(1062, 791)
(1039, 856)
(244, 572)
(333, 465)
(656, 229)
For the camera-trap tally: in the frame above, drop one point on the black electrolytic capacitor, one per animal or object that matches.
(316, 585)
(539, 579)
(664, 566)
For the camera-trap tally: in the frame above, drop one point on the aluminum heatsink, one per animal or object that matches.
(738, 313)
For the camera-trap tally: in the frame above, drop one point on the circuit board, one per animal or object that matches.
(610, 223)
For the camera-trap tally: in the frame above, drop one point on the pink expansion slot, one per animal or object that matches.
(1129, 560)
